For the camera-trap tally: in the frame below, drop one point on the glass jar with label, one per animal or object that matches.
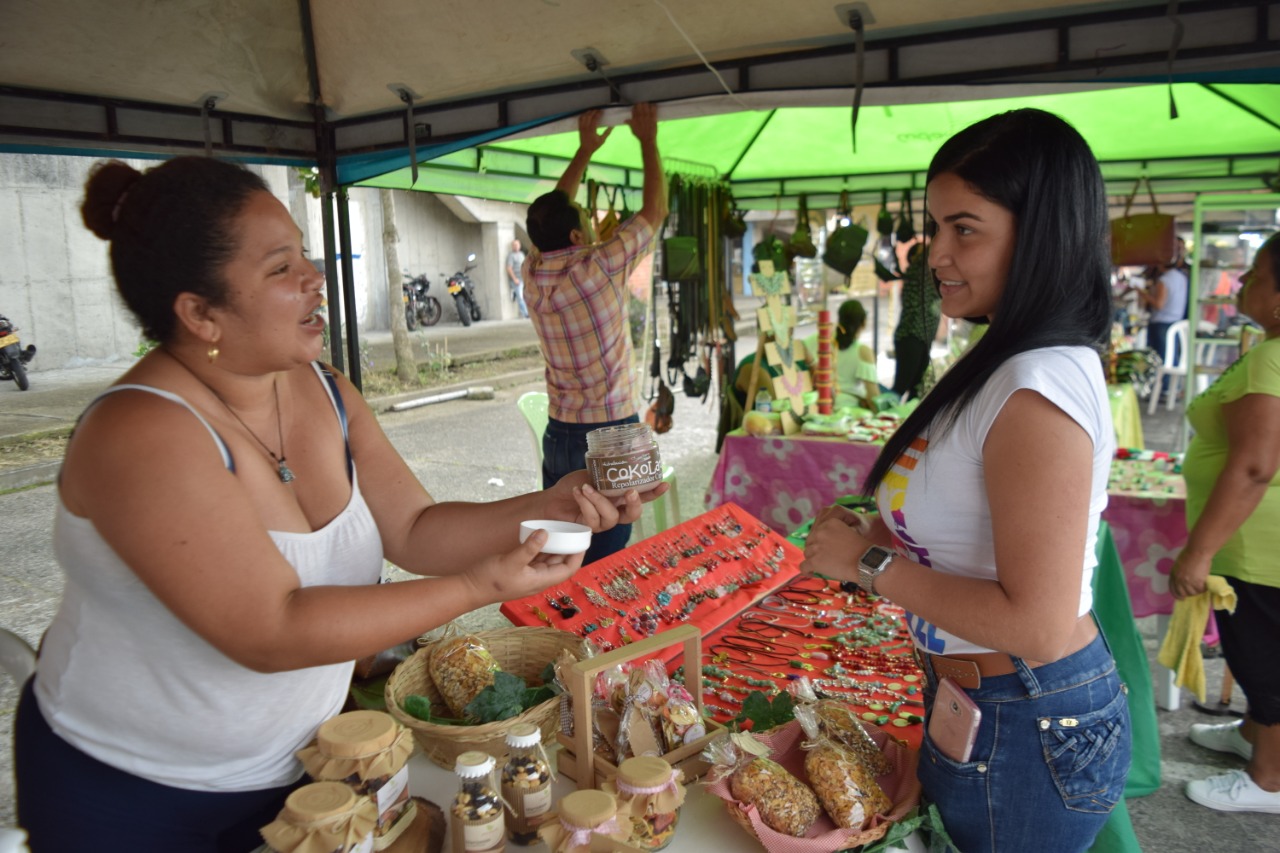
(623, 457)
(582, 815)
(476, 817)
(650, 794)
(323, 816)
(526, 783)
(369, 751)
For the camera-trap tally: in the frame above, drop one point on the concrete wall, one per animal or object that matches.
(55, 276)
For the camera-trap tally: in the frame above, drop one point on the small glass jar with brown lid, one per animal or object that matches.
(649, 793)
(323, 816)
(583, 815)
(526, 783)
(476, 816)
(369, 751)
(623, 457)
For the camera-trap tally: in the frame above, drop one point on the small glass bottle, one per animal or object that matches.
(326, 816)
(623, 457)
(526, 783)
(478, 823)
(650, 793)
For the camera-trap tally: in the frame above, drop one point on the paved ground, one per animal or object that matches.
(457, 461)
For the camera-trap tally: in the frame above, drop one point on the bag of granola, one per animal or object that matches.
(839, 722)
(461, 667)
(845, 786)
(784, 803)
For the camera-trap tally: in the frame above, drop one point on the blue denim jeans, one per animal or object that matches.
(564, 450)
(1050, 761)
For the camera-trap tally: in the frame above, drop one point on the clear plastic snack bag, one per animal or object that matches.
(784, 803)
(461, 667)
(840, 723)
(845, 786)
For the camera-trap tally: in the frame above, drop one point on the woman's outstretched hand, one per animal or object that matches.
(523, 571)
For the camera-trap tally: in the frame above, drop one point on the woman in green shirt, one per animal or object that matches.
(1232, 471)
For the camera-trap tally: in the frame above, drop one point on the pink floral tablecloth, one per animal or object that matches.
(784, 482)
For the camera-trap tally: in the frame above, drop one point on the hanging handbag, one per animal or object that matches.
(801, 243)
(680, 261)
(1143, 239)
(658, 415)
(845, 245)
(734, 222)
(884, 219)
(906, 230)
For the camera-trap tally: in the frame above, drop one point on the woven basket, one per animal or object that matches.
(520, 651)
(902, 787)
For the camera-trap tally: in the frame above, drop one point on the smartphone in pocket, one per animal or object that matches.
(954, 721)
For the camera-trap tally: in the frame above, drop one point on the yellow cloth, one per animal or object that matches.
(1180, 650)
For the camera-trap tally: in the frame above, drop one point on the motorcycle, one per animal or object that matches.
(420, 308)
(463, 292)
(13, 358)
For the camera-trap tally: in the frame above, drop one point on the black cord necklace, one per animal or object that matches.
(282, 469)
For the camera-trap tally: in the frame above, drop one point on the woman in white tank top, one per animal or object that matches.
(224, 513)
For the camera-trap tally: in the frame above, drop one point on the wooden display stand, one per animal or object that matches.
(582, 678)
(776, 337)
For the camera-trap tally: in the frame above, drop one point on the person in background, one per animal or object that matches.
(576, 290)
(1165, 296)
(1232, 471)
(984, 537)
(223, 515)
(515, 277)
(917, 325)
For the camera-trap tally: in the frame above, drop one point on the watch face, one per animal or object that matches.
(876, 556)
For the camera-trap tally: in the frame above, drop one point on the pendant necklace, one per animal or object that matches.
(282, 468)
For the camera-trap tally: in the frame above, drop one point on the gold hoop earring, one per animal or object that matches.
(213, 354)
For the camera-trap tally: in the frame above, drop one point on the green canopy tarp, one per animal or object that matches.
(1226, 136)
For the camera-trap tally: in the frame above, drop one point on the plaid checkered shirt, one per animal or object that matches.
(578, 300)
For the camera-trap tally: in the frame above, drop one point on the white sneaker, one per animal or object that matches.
(1221, 737)
(1233, 791)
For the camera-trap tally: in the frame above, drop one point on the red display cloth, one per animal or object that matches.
(883, 682)
(727, 560)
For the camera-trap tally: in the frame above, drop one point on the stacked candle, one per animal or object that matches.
(822, 373)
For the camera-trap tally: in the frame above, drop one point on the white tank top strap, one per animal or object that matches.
(227, 459)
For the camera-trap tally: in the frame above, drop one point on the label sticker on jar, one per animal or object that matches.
(484, 836)
(537, 802)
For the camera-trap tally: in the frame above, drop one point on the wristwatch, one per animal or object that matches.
(871, 565)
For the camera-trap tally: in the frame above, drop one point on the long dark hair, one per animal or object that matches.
(1038, 167)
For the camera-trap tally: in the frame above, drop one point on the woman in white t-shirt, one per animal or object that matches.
(990, 495)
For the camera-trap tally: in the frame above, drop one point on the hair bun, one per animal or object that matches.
(104, 196)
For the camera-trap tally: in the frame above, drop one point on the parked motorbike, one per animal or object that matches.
(463, 292)
(420, 308)
(13, 358)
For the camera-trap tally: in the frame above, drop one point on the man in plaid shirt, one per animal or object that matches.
(576, 291)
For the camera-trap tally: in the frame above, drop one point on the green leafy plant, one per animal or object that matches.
(764, 714)
(144, 346)
(507, 697)
(420, 707)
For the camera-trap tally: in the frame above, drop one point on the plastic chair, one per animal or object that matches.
(1176, 348)
(533, 405)
(16, 656)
